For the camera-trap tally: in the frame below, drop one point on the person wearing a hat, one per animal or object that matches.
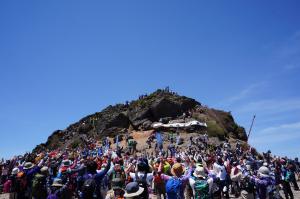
(30, 170)
(57, 189)
(133, 191)
(39, 184)
(176, 183)
(262, 181)
(142, 176)
(201, 185)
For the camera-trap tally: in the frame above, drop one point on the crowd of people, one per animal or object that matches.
(199, 170)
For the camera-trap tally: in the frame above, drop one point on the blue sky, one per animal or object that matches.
(62, 60)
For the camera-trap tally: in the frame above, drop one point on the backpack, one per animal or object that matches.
(173, 188)
(39, 186)
(119, 174)
(289, 176)
(130, 143)
(52, 196)
(142, 181)
(88, 188)
(201, 189)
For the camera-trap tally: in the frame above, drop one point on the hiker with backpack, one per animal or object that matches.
(176, 183)
(262, 182)
(30, 170)
(39, 184)
(143, 177)
(201, 185)
(287, 176)
(92, 180)
(57, 189)
(117, 172)
(132, 146)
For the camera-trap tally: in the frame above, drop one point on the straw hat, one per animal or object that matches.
(132, 190)
(177, 169)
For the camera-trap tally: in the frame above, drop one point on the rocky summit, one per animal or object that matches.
(161, 106)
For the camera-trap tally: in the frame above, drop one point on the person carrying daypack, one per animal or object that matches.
(286, 180)
(142, 177)
(175, 184)
(57, 189)
(92, 180)
(39, 190)
(118, 172)
(200, 184)
(39, 184)
(174, 188)
(89, 188)
(142, 181)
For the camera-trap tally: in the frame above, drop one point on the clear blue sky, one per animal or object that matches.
(61, 60)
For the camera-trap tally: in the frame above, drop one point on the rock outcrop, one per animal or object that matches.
(161, 106)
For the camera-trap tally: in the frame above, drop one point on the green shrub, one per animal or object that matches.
(214, 130)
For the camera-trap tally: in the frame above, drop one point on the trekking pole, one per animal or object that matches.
(251, 127)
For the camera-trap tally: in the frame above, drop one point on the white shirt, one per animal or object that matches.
(220, 171)
(141, 174)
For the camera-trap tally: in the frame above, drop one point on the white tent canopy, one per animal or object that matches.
(179, 125)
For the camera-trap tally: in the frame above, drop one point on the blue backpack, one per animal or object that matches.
(52, 196)
(173, 188)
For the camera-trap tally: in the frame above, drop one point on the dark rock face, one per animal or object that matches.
(140, 114)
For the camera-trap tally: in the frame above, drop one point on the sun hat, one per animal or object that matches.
(15, 171)
(177, 169)
(28, 165)
(199, 172)
(57, 182)
(264, 171)
(133, 189)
